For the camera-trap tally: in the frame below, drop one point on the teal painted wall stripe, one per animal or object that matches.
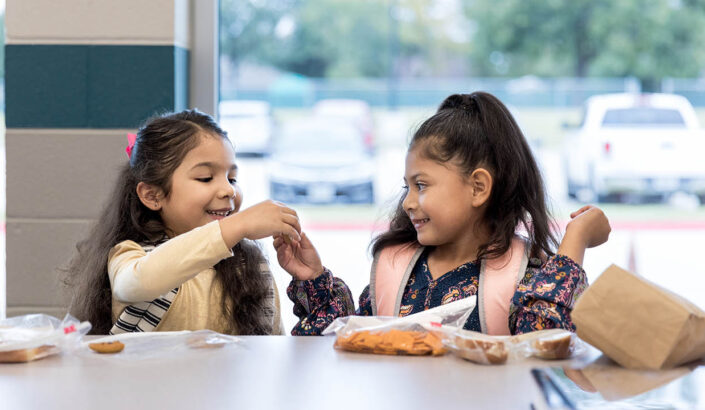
(92, 86)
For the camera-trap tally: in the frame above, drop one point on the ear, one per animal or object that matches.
(481, 186)
(150, 196)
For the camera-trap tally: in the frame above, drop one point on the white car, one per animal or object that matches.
(357, 112)
(316, 161)
(636, 144)
(249, 125)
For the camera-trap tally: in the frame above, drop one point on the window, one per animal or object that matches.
(381, 67)
(642, 117)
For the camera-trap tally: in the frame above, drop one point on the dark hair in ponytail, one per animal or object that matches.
(162, 143)
(477, 130)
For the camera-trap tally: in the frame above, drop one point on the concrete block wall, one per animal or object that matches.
(79, 75)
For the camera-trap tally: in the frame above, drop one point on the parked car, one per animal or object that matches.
(249, 125)
(636, 144)
(357, 112)
(320, 161)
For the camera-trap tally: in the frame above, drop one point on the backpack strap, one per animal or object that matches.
(391, 269)
(498, 280)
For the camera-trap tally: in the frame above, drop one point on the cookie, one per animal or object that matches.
(107, 347)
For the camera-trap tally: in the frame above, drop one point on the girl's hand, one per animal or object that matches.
(588, 228)
(299, 258)
(268, 218)
(591, 224)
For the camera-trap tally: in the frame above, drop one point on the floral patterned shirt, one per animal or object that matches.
(543, 299)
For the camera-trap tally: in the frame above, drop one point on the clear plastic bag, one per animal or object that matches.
(153, 345)
(550, 344)
(35, 336)
(418, 334)
(481, 348)
(449, 316)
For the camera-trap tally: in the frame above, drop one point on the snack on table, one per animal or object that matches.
(557, 346)
(26, 355)
(479, 349)
(392, 342)
(200, 341)
(548, 344)
(36, 336)
(107, 347)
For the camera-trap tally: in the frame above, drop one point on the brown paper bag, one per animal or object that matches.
(639, 324)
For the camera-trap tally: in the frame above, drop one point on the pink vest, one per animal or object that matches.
(498, 281)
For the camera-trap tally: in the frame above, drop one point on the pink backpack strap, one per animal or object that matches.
(499, 278)
(390, 271)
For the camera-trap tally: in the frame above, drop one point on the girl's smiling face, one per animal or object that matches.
(439, 200)
(203, 187)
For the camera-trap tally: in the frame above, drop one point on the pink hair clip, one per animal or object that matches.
(131, 138)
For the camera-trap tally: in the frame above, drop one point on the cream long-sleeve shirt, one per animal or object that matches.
(185, 261)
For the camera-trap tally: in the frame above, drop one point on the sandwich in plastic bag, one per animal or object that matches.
(35, 336)
(549, 344)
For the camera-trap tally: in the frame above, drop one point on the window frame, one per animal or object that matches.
(204, 76)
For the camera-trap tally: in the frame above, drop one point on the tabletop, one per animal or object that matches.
(265, 372)
(268, 372)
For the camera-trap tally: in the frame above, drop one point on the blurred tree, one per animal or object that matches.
(334, 38)
(340, 38)
(433, 37)
(649, 39)
(247, 26)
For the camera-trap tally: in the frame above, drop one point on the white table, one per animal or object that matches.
(269, 372)
(265, 372)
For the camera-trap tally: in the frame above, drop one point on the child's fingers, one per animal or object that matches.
(580, 211)
(293, 221)
(285, 209)
(292, 233)
(305, 241)
(289, 211)
(282, 240)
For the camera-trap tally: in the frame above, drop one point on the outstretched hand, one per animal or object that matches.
(299, 258)
(591, 224)
(267, 218)
(587, 228)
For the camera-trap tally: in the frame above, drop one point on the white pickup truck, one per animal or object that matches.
(636, 144)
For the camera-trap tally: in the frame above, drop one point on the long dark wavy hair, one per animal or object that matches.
(162, 143)
(477, 130)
